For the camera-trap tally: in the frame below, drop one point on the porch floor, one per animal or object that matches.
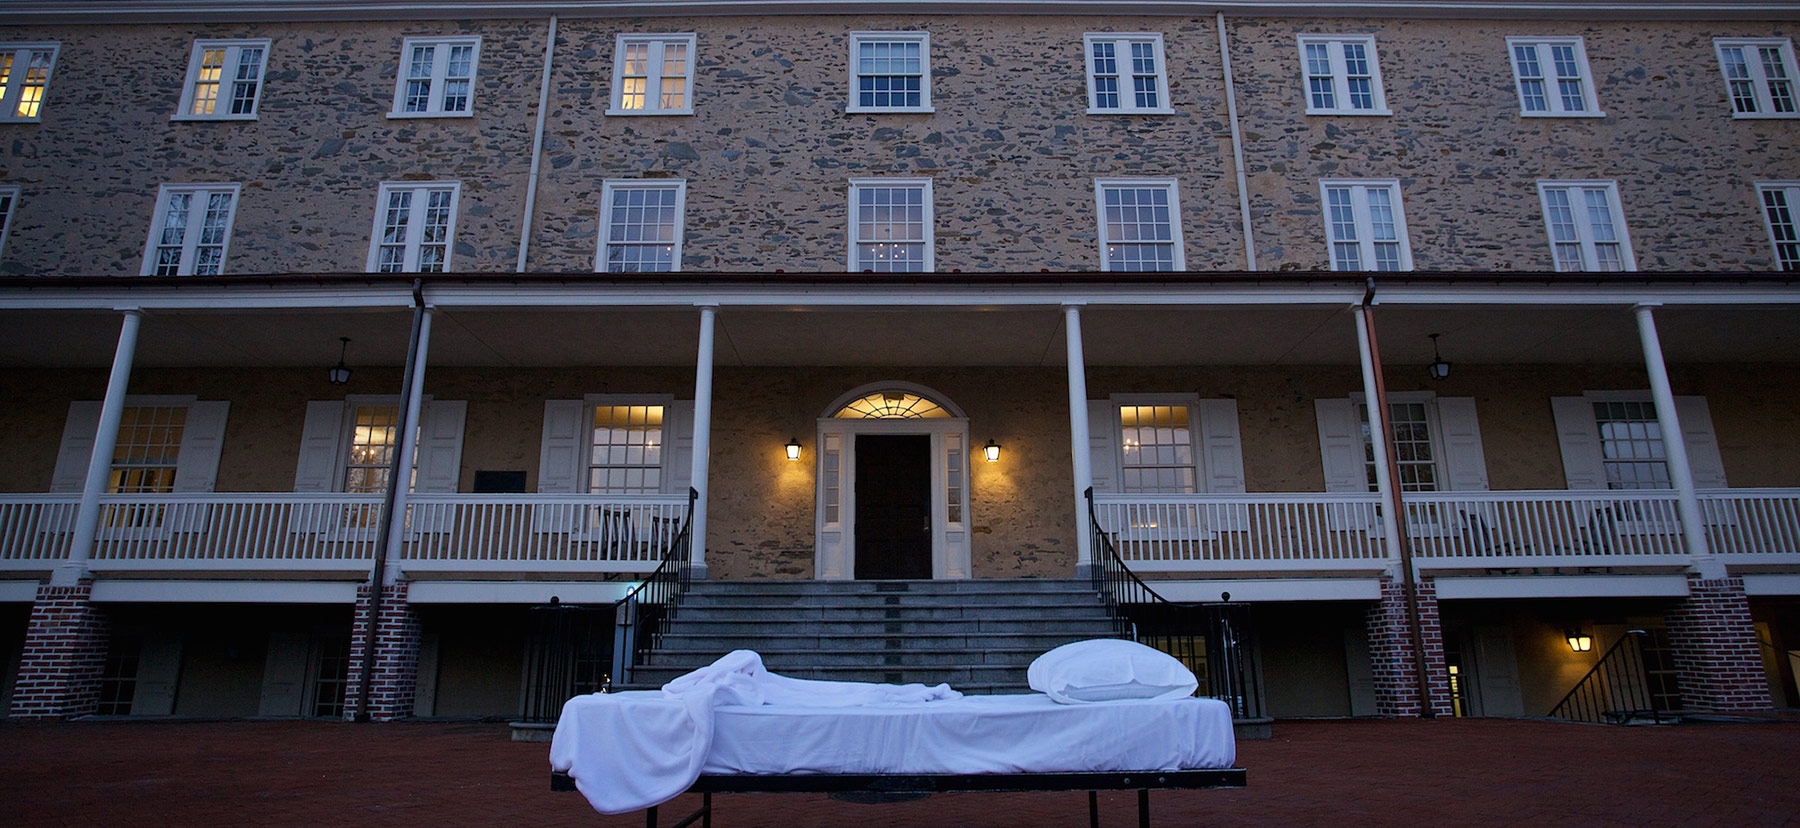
(1477, 772)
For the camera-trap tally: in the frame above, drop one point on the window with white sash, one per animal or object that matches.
(415, 223)
(640, 226)
(436, 77)
(891, 225)
(1759, 76)
(1780, 201)
(190, 231)
(890, 72)
(24, 79)
(1342, 75)
(1613, 440)
(1126, 74)
(1437, 441)
(1552, 77)
(1140, 224)
(224, 80)
(1586, 226)
(1165, 444)
(1365, 223)
(349, 445)
(164, 444)
(653, 74)
(1415, 451)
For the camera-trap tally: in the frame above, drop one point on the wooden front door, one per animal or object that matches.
(893, 506)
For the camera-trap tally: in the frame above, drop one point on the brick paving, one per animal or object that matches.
(1340, 773)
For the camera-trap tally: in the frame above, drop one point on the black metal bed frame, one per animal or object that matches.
(922, 784)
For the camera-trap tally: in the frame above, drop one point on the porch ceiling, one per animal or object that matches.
(906, 336)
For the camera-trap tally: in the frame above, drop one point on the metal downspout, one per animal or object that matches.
(1237, 147)
(537, 148)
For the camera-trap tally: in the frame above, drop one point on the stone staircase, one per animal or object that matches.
(976, 635)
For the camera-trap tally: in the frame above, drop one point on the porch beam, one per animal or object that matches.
(1079, 444)
(1681, 475)
(703, 391)
(106, 437)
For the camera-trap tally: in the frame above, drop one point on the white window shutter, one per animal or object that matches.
(438, 457)
(678, 447)
(77, 447)
(1579, 437)
(320, 447)
(560, 463)
(1702, 442)
(1341, 446)
(1103, 446)
(1221, 446)
(197, 464)
(1463, 455)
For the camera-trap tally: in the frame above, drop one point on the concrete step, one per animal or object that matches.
(782, 661)
(965, 586)
(1074, 627)
(860, 642)
(955, 675)
(791, 614)
(966, 688)
(791, 600)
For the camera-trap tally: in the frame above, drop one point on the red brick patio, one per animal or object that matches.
(1475, 772)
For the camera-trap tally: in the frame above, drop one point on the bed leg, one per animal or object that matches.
(650, 817)
(706, 808)
(1143, 808)
(1093, 809)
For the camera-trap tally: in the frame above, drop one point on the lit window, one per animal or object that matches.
(224, 80)
(148, 449)
(890, 225)
(1586, 226)
(9, 199)
(653, 75)
(891, 405)
(640, 226)
(1126, 74)
(24, 77)
(1140, 224)
(1631, 445)
(414, 225)
(1759, 77)
(890, 72)
(1157, 454)
(1552, 76)
(191, 230)
(374, 437)
(1342, 75)
(436, 78)
(1366, 225)
(1779, 201)
(626, 454)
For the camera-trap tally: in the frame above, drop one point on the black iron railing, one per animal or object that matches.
(1618, 690)
(1215, 640)
(576, 649)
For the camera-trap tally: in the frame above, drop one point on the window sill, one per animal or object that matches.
(250, 117)
(13, 119)
(1764, 116)
(1377, 112)
(887, 110)
(431, 114)
(1582, 114)
(1096, 110)
(616, 112)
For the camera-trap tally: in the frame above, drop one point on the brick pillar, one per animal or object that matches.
(1391, 651)
(1715, 649)
(65, 649)
(396, 671)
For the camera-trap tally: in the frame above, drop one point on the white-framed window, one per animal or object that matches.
(1365, 224)
(1157, 446)
(1780, 200)
(626, 445)
(1613, 440)
(1126, 73)
(1759, 76)
(890, 72)
(224, 80)
(1631, 445)
(653, 74)
(1413, 417)
(415, 227)
(436, 77)
(1140, 224)
(1586, 226)
(640, 226)
(891, 225)
(190, 233)
(1552, 77)
(349, 446)
(1342, 75)
(24, 79)
(9, 201)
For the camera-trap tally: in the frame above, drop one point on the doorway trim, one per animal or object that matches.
(834, 547)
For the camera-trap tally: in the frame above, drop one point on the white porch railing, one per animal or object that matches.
(339, 532)
(1244, 532)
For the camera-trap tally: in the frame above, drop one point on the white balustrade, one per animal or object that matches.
(1243, 532)
(35, 528)
(542, 533)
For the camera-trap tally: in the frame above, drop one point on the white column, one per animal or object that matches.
(703, 388)
(1384, 482)
(1079, 444)
(409, 448)
(1681, 475)
(106, 437)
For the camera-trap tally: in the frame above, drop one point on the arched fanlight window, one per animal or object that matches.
(891, 405)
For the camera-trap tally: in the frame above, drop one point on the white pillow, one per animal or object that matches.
(1105, 669)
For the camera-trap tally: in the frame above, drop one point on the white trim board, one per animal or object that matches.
(517, 592)
(224, 592)
(1562, 586)
(1267, 590)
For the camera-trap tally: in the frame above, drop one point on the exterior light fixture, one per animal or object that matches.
(992, 450)
(1579, 641)
(340, 373)
(1438, 369)
(793, 449)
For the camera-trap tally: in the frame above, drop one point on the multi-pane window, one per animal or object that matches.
(1779, 200)
(640, 226)
(1126, 74)
(1412, 447)
(1157, 449)
(414, 224)
(1342, 75)
(890, 225)
(332, 667)
(626, 455)
(653, 75)
(1140, 224)
(890, 72)
(437, 77)
(24, 76)
(374, 438)
(224, 80)
(1759, 77)
(1552, 76)
(148, 449)
(191, 230)
(1631, 445)
(1366, 225)
(1586, 226)
(9, 200)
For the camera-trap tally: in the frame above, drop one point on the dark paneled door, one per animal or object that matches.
(893, 506)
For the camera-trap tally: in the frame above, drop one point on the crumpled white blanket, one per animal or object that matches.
(629, 751)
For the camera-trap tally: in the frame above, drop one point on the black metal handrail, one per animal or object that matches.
(651, 606)
(1214, 639)
(1617, 690)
